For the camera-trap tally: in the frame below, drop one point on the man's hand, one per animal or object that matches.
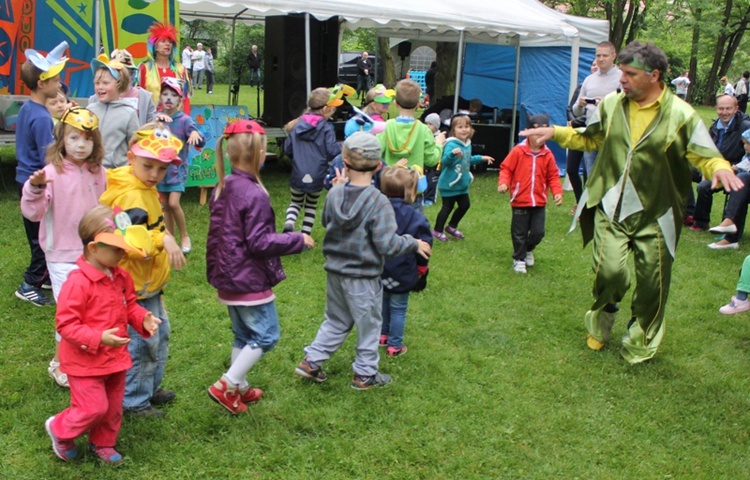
(542, 134)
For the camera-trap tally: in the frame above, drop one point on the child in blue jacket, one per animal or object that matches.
(401, 275)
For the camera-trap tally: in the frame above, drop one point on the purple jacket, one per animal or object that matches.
(243, 248)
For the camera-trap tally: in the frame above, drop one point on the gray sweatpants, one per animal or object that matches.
(350, 302)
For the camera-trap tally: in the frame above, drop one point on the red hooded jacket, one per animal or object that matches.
(529, 175)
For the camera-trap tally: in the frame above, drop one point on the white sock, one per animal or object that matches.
(235, 352)
(246, 359)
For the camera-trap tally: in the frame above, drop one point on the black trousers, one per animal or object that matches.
(526, 230)
(448, 203)
(36, 272)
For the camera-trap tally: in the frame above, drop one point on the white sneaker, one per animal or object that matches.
(529, 259)
(735, 306)
(519, 266)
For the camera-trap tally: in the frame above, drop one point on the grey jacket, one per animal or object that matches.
(117, 123)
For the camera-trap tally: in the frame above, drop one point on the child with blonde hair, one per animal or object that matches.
(133, 188)
(312, 145)
(97, 305)
(242, 260)
(401, 275)
(60, 194)
(455, 177)
(118, 119)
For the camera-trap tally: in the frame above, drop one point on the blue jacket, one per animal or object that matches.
(243, 248)
(311, 144)
(400, 273)
(455, 175)
(338, 162)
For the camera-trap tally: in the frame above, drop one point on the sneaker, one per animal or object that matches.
(288, 227)
(46, 285)
(57, 375)
(210, 92)
(162, 397)
(33, 295)
(64, 449)
(383, 340)
(454, 232)
(396, 351)
(227, 395)
(519, 266)
(529, 261)
(698, 228)
(735, 306)
(365, 383)
(250, 395)
(145, 412)
(311, 370)
(106, 454)
(439, 236)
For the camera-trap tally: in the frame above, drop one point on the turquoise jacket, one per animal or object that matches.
(455, 176)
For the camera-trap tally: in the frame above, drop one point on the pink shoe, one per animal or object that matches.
(106, 454)
(439, 236)
(250, 395)
(735, 306)
(383, 340)
(454, 232)
(228, 396)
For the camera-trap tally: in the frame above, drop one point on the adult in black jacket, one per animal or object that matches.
(726, 132)
(364, 70)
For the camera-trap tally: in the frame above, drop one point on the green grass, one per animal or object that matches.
(498, 382)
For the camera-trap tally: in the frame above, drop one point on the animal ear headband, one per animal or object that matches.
(52, 64)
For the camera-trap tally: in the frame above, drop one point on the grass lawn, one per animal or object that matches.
(497, 383)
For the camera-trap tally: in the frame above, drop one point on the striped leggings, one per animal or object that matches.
(299, 200)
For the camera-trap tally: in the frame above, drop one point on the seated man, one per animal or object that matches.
(726, 132)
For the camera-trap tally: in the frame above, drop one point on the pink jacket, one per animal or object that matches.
(529, 175)
(60, 205)
(91, 302)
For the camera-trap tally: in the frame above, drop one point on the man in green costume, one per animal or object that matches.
(636, 194)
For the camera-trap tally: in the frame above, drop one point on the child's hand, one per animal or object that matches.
(163, 118)
(440, 138)
(403, 163)
(309, 242)
(151, 323)
(488, 159)
(340, 178)
(502, 188)
(558, 199)
(39, 179)
(111, 340)
(174, 252)
(457, 152)
(194, 138)
(424, 250)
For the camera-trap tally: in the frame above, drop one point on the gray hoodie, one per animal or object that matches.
(117, 122)
(361, 232)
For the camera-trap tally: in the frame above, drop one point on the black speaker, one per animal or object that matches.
(285, 94)
(404, 49)
(492, 140)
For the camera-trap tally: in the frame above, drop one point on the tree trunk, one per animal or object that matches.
(693, 68)
(714, 72)
(445, 79)
(389, 70)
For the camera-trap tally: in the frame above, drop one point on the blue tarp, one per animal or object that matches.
(544, 81)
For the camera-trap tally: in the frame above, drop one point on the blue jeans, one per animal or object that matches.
(394, 317)
(588, 162)
(149, 358)
(255, 326)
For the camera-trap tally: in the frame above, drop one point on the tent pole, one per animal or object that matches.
(98, 29)
(231, 60)
(511, 137)
(308, 77)
(575, 55)
(459, 62)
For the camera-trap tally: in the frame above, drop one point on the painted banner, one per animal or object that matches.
(10, 21)
(211, 120)
(129, 23)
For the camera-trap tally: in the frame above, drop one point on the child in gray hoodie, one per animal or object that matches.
(118, 120)
(360, 235)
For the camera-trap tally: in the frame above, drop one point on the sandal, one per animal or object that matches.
(58, 376)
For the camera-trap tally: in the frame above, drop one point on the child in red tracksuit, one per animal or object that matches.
(95, 307)
(528, 173)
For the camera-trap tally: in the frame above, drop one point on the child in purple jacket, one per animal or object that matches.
(173, 185)
(242, 260)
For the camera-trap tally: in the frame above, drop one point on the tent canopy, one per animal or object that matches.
(482, 21)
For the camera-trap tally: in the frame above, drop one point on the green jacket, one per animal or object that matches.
(651, 177)
(412, 140)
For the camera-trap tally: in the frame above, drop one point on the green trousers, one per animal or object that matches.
(613, 243)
